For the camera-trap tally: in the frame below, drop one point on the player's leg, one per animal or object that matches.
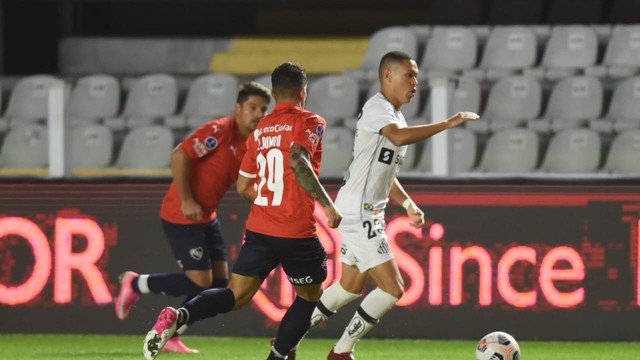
(305, 263)
(373, 256)
(188, 244)
(254, 264)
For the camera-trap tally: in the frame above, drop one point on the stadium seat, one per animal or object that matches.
(573, 151)
(337, 147)
(146, 147)
(464, 152)
(463, 95)
(25, 147)
(449, 50)
(624, 154)
(509, 50)
(624, 108)
(150, 99)
(29, 100)
(91, 147)
(210, 96)
(622, 55)
(511, 151)
(512, 100)
(394, 38)
(573, 101)
(569, 50)
(334, 97)
(93, 98)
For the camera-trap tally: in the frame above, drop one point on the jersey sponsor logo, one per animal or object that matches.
(199, 148)
(271, 129)
(399, 159)
(196, 253)
(314, 138)
(386, 156)
(301, 280)
(211, 143)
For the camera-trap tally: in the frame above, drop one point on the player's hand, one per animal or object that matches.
(461, 118)
(416, 215)
(334, 217)
(191, 210)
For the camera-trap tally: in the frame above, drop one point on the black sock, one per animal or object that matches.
(294, 325)
(220, 283)
(210, 303)
(173, 284)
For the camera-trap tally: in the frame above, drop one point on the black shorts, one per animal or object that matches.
(303, 260)
(196, 246)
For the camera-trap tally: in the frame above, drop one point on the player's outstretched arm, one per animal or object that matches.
(300, 164)
(412, 134)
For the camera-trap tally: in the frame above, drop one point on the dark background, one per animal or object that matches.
(31, 30)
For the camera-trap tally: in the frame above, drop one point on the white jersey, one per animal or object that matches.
(376, 160)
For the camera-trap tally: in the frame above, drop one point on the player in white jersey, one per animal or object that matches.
(381, 139)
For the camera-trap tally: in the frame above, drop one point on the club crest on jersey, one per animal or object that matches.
(196, 253)
(211, 143)
(199, 148)
(386, 156)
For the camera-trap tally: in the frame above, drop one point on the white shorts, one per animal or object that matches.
(364, 243)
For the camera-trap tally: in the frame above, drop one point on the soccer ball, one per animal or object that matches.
(498, 346)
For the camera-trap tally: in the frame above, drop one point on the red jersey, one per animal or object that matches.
(282, 207)
(215, 150)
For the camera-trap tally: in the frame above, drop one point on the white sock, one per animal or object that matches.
(333, 298)
(143, 284)
(373, 307)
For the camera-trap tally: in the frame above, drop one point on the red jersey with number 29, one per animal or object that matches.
(282, 207)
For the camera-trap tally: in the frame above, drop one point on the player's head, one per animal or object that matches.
(289, 82)
(398, 74)
(251, 106)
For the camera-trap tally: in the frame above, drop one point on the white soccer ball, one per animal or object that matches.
(498, 346)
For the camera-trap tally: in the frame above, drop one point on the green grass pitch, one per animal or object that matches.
(125, 347)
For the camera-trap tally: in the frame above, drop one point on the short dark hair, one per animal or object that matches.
(392, 57)
(252, 88)
(288, 79)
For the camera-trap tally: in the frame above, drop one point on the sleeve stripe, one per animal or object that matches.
(247, 175)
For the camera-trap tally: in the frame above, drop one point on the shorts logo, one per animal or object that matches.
(196, 253)
(211, 143)
(386, 156)
(324, 263)
(356, 327)
(368, 207)
(383, 248)
(300, 281)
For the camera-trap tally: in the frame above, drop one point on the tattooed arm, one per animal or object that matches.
(300, 163)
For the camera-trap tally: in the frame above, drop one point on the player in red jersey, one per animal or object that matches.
(204, 166)
(279, 173)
